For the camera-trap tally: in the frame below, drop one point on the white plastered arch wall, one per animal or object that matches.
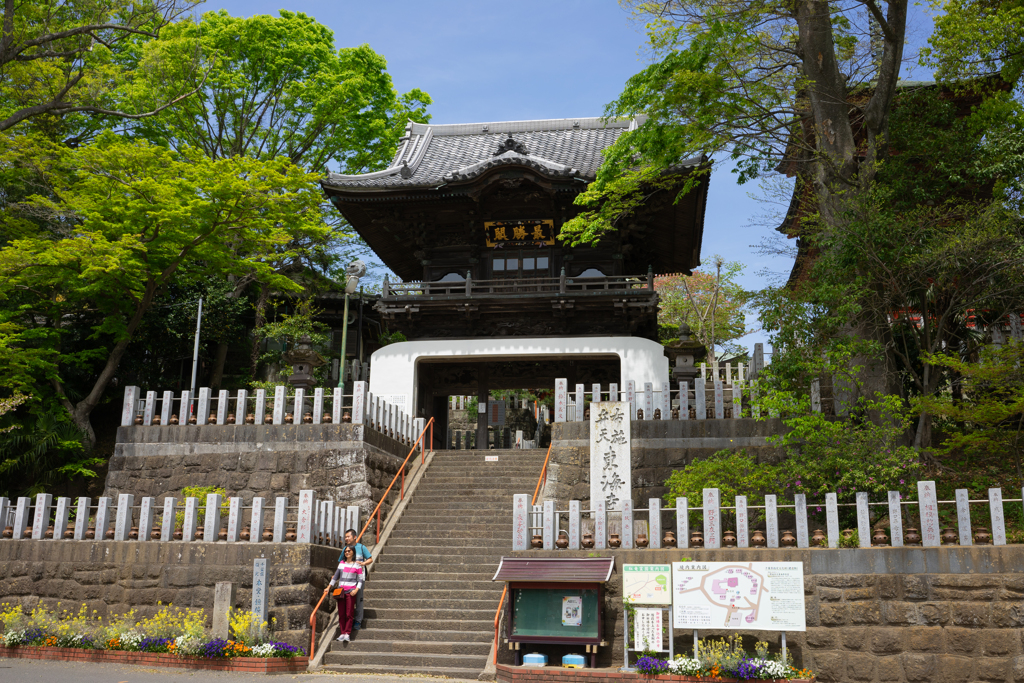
(394, 368)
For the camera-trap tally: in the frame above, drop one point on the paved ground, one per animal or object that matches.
(42, 671)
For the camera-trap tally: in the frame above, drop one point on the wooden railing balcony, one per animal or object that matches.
(519, 287)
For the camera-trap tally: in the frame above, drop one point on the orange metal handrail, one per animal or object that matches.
(497, 615)
(376, 512)
(543, 476)
(540, 480)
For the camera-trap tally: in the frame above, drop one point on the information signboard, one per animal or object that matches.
(647, 584)
(647, 630)
(749, 596)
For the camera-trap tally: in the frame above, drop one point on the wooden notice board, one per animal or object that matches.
(538, 613)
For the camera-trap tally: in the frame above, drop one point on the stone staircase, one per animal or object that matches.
(430, 601)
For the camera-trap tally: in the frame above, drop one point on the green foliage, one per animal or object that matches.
(850, 540)
(201, 492)
(42, 451)
(711, 302)
(731, 472)
(387, 337)
(278, 88)
(984, 422)
(122, 218)
(864, 450)
(975, 38)
(69, 65)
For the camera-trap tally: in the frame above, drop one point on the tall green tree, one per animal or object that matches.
(710, 302)
(120, 220)
(279, 88)
(67, 57)
(762, 83)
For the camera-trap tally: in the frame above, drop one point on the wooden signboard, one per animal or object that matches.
(524, 233)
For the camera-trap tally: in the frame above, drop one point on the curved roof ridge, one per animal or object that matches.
(541, 164)
(433, 154)
(527, 126)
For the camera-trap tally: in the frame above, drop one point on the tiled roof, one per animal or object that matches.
(544, 569)
(433, 155)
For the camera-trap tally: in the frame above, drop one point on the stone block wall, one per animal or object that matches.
(658, 448)
(879, 615)
(113, 577)
(349, 464)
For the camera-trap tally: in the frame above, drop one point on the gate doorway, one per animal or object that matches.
(438, 380)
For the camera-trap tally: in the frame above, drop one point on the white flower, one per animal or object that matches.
(684, 666)
(264, 650)
(187, 645)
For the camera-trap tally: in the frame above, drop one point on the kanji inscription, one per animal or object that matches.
(610, 467)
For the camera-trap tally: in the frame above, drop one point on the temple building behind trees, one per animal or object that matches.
(468, 217)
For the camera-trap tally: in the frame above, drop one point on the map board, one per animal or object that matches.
(752, 596)
(647, 584)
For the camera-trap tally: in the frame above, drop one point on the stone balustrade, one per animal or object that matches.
(725, 526)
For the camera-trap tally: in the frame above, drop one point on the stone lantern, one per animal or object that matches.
(303, 360)
(684, 355)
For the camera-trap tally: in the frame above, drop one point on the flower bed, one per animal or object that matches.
(268, 665)
(723, 659)
(172, 637)
(554, 674)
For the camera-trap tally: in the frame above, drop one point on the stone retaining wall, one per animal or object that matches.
(879, 615)
(349, 464)
(113, 577)
(658, 448)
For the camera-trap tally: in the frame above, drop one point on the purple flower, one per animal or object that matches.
(901, 481)
(651, 665)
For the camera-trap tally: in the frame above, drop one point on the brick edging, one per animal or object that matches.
(257, 665)
(519, 674)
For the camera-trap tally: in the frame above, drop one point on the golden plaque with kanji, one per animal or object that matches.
(530, 232)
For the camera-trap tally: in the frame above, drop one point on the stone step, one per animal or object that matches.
(456, 542)
(439, 558)
(397, 623)
(421, 573)
(468, 496)
(349, 656)
(452, 616)
(507, 479)
(427, 600)
(375, 633)
(403, 532)
(437, 647)
(479, 461)
(408, 671)
(467, 469)
(457, 503)
(484, 485)
(498, 518)
(395, 583)
(522, 468)
(452, 593)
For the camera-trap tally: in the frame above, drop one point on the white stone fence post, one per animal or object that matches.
(706, 523)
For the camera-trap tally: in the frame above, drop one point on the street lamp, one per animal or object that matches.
(355, 270)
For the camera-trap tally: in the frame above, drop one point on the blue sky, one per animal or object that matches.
(482, 60)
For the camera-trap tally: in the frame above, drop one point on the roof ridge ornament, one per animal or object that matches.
(406, 171)
(510, 145)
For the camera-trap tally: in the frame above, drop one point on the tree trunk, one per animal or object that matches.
(222, 348)
(254, 353)
(218, 365)
(82, 411)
